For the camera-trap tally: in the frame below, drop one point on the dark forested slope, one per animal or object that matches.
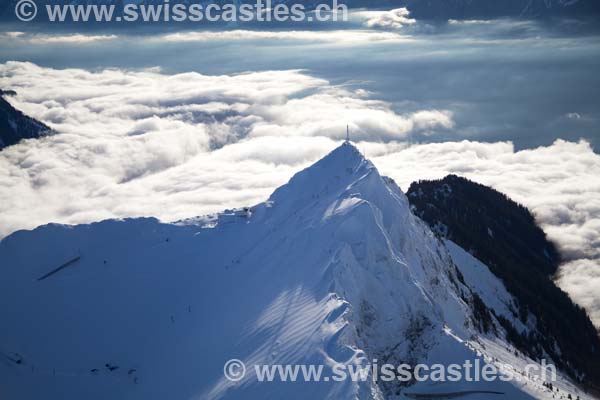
(504, 235)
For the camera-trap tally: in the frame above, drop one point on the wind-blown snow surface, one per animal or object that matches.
(333, 268)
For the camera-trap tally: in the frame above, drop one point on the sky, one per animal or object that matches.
(182, 123)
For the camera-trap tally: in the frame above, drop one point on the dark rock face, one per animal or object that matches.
(14, 125)
(504, 235)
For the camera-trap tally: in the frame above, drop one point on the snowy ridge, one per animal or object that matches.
(333, 268)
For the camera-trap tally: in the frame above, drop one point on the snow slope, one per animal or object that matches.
(333, 268)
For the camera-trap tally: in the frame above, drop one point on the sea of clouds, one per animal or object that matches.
(146, 143)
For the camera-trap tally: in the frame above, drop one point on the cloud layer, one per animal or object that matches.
(136, 143)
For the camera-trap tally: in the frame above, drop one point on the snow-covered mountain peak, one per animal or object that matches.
(333, 269)
(341, 180)
(334, 172)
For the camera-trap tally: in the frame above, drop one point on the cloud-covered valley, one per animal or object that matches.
(143, 142)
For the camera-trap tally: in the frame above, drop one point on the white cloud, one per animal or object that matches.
(14, 35)
(427, 120)
(139, 143)
(41, 39)
(470, 22)
(333, 36)
(392, 19)
(581, 278)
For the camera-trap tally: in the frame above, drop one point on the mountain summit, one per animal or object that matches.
(332, 173)
(332, 270)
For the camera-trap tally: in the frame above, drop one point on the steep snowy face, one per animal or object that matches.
(332, 269)
(385, 261)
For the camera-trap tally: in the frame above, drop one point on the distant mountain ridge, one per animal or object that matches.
(15, 126)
